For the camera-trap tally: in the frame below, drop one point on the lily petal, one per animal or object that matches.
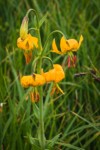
(54, 75)
(54, 48)
(73, 44)
(33, 40)
(28, 56)
(59, 73)
(64, 45)
(80, 41)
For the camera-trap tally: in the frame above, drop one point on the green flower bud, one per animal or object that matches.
(24, 28)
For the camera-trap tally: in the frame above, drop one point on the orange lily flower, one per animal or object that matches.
(26, 41)
(56, 74)
(68, 46)
(28, 44)
(32, 80)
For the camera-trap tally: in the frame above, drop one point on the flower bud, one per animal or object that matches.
(24, 28)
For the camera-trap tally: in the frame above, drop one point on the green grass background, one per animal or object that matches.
(74, 117)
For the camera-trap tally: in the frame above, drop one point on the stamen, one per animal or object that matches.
(74, 60)
(69, 62)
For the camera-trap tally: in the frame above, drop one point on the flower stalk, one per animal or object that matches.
(40, 89)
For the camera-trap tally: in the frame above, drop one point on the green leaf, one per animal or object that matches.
(90, 123)
(36, 111)
(34, 142)
(43, 19)
(92, 139)
(51, 143)
(6, 126)
(69, 146)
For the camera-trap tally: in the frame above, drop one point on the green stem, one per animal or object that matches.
(38, 28)
(48, 38)
(41, 121)
(42, 135)
(44, 57)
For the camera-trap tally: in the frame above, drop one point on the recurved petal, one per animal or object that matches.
(64, 45)
(33, 40)
(80, 41)
(73, 44)
(54, 47)
(59, 73)
(49, 76)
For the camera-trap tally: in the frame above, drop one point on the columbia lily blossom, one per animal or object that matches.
(68, 46)
(56, 74)
(28, 44)
(26, 41)
(32, 80)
